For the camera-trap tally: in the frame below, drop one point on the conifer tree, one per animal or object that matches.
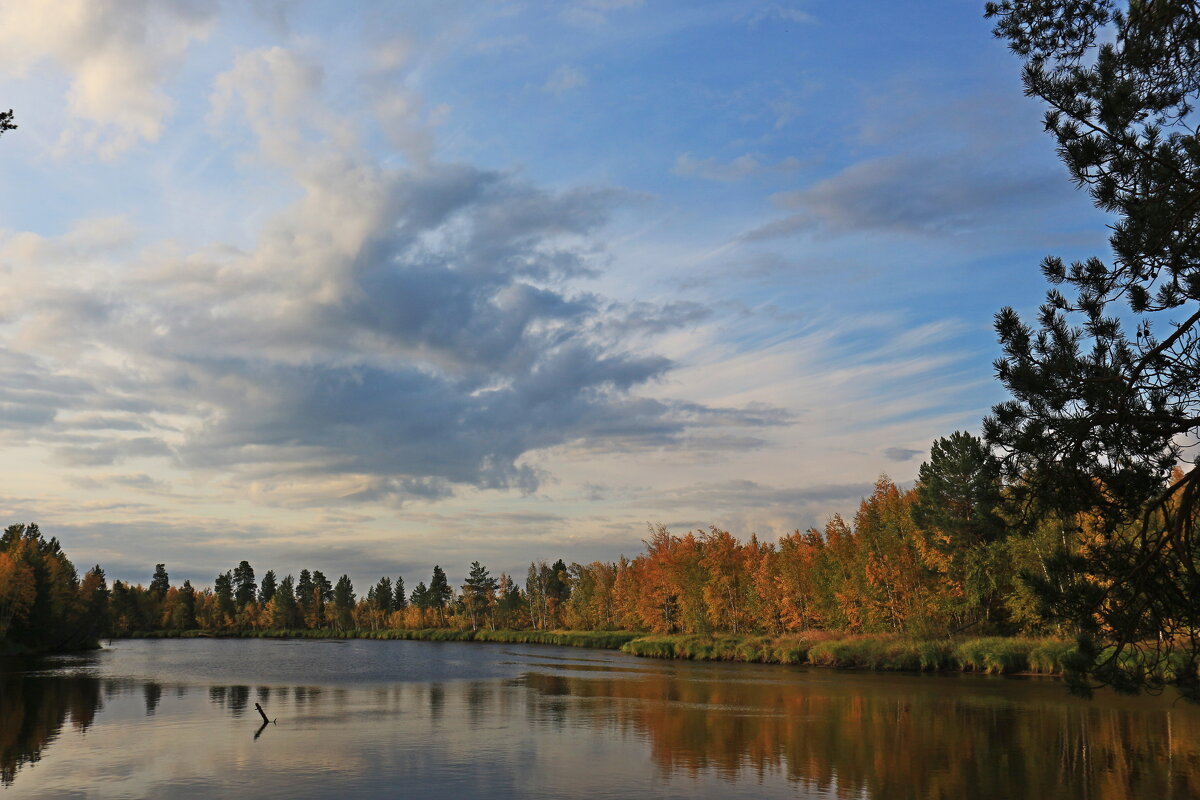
(267, 587)
(439, 592)
(1106, 388)
(159, 583)
(343, 603)
(244, 587)
(400, 600)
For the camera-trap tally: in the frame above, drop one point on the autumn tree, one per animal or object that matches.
(1105, 389)
(42, 609)
(729, 585)
(17, 592)
(537, 580)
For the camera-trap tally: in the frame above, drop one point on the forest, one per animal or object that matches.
(935, 561)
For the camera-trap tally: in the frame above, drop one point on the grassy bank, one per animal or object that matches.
(608, 640)
(993, 655)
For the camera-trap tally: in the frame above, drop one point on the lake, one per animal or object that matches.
(365, 719)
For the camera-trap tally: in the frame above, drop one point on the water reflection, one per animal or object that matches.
(892, 737)
(153, 694)
(602, 726)
(34, 711)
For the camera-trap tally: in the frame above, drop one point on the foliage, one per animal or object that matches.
(43, 604)
(1106, 391)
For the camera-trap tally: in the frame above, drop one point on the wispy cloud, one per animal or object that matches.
(744, 166)
(565, 79)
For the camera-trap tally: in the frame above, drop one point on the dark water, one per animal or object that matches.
(365, 719)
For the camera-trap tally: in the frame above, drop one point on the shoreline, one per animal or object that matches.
(992, 655)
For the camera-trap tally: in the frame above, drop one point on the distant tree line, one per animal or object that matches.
(935, 560)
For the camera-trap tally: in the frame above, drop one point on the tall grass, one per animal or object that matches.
(993, 655)
(882, 653)
(756, 649)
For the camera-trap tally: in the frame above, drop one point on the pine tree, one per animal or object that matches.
(1106, 390)
(266, 588)
(223, 588)
(401, 600)
(479, 593)
(439, 593)
(160, 583)
(304, 592)
(244, 587)
(343, 603)
(285, 613)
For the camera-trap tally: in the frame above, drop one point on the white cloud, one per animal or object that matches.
(592, 13)
(565, 79)
(744, 166)
(117, 55)
(781, 13)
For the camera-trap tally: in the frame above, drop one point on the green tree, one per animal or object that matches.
(267, 587)
(94, 603)
(160, 583)
(343, 603)
(439, 593)
(401, 599)
(1106, 391)
(956, 507)
(420, 595)
(285, 613)
(244, 587)
(510, 603)
(304, 592)
(223, 589)
(479, 593)
(381, 598)
(187, 607)
(322, 594)
(6, 121)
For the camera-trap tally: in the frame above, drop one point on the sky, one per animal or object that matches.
(365, 287)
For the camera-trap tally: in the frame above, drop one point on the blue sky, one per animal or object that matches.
(369, 289)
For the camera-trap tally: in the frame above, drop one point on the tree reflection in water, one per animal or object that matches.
(34, 710)
(827, 733)
(861, 738)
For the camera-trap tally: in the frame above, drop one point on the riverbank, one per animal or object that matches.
(603, 640)
(993, 655)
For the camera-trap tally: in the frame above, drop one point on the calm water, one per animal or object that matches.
(364, 719)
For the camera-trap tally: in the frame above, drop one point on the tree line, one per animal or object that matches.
(938, 559)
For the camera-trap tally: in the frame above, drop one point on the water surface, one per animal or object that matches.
(360, 719)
